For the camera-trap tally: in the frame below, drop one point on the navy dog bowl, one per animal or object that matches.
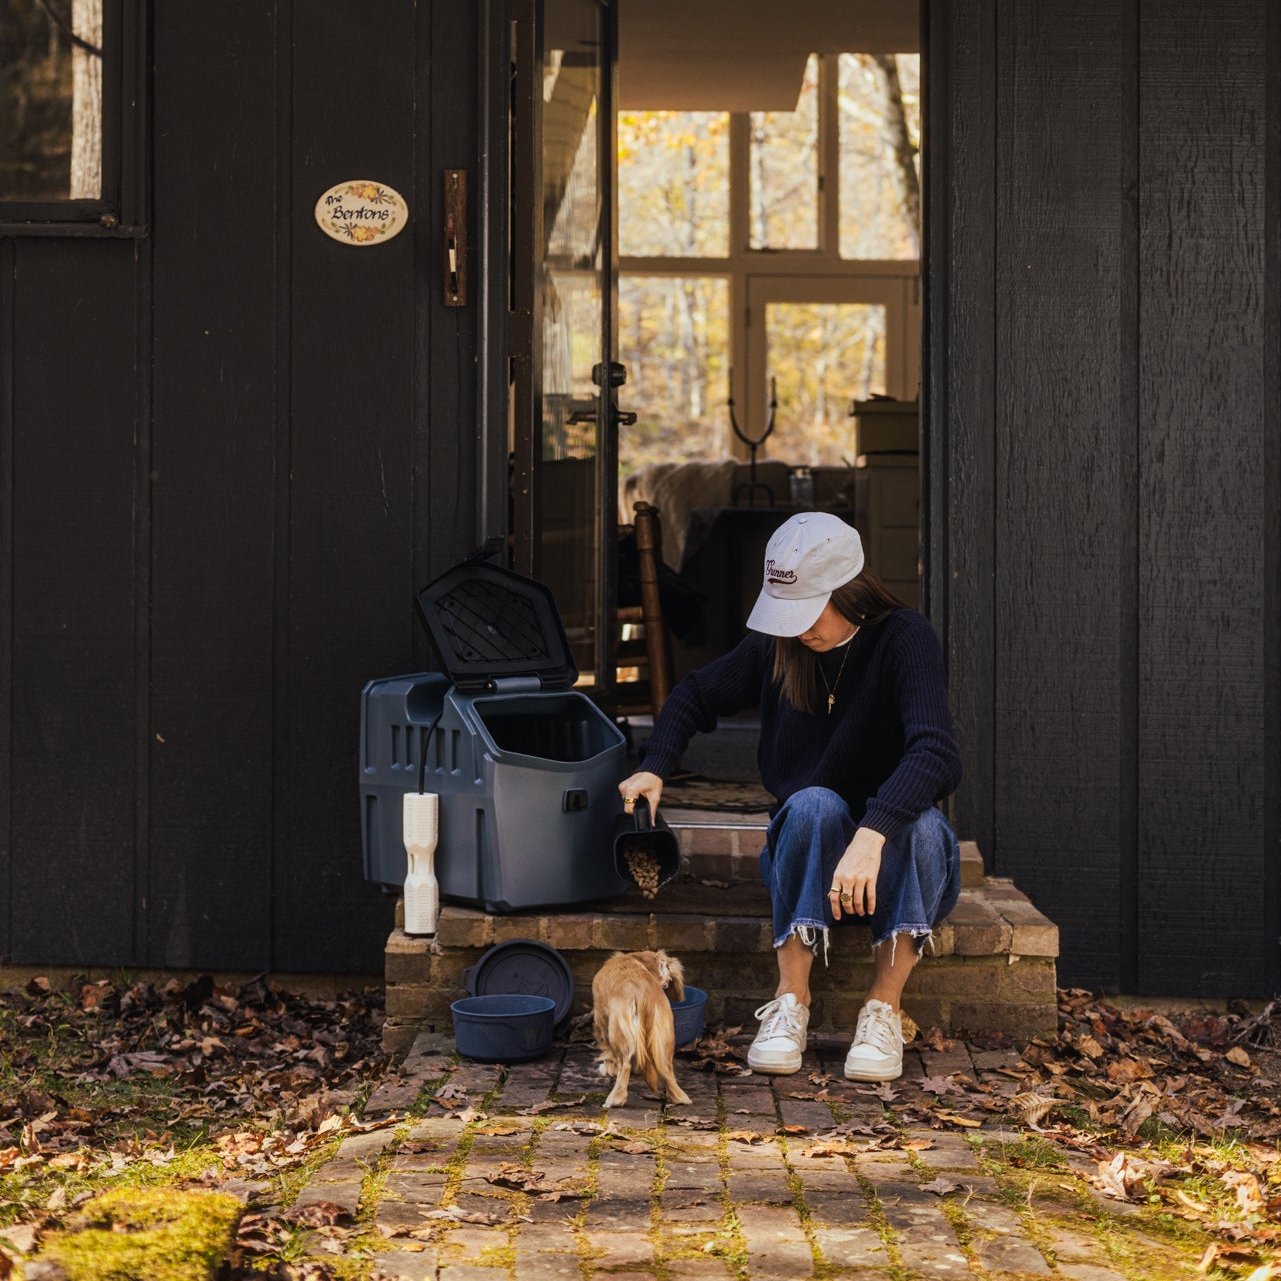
(688, 1015)
(505, 1028)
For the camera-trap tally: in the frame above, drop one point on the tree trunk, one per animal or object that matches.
(901, 141)
(86, 102)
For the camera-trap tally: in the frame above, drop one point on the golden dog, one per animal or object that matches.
(633, 1021)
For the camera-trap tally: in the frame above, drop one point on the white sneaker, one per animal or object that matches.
(780, 1040)
(876, 1053)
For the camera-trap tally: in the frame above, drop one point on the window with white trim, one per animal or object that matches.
(771, 245)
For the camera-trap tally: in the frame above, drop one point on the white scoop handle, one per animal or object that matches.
(421, 822)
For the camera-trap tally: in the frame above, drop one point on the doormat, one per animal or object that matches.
(696, 792)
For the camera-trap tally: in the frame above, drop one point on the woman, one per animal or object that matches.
(856, 746)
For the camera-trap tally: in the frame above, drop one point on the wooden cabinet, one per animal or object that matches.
(887, 513)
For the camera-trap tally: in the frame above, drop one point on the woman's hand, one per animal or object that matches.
(645, 784)
(854, 881)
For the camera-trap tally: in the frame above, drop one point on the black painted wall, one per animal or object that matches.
(230, 449)
(1105, 469)
(229, 452)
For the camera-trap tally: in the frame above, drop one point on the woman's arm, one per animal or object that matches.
(930, 767)
(729, 684)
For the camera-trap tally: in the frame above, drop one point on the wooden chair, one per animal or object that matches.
(651, 650)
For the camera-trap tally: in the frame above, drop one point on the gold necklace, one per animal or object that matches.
(831, 688)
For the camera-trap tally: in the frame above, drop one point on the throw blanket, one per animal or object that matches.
(676, 489)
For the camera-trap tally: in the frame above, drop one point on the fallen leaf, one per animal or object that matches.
(942, 1186)
(469, 1216)
(1124, 1070)
(21, 1236)
(955, 1118)
(1238, 1056)
(550, 1105)
(416, 1147)
(1249, 1193)
(516, 1177)
(321, 1214)
(1032, 1107)
(940, 1085)
(1128, 1178)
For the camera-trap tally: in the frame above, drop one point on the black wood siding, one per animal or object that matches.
(229, 451)
(1104, 436)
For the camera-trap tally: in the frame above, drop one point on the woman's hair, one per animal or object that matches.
(864, 601)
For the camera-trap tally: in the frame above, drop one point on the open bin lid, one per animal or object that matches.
(488, 622)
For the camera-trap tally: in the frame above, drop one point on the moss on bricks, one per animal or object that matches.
(168, 1235)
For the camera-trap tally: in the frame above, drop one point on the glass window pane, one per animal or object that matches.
(50, 100)
(880, 149)
(784, 172)
(673, 338)
(673, 184)
(824, 355)
(571, 281)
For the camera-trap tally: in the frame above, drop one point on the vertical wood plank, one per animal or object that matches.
(1203, 862)
(7, 325)
(142, 554)
(961, 85)
(1271, 896)
(1064, 444)
(213, 487)
(72, 770)
(352, 451)
(447, 480)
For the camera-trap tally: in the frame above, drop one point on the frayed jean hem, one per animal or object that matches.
(807, 932)
(921, 936)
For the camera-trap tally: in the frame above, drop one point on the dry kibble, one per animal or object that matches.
(644, 869)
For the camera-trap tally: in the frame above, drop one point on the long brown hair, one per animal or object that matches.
(863, 601)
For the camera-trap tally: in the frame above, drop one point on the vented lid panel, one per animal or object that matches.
(489, 622)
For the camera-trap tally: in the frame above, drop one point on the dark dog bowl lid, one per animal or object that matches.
(523, 967)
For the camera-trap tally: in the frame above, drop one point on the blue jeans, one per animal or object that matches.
(916, 888)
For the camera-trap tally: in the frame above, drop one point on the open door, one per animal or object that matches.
(565, 419)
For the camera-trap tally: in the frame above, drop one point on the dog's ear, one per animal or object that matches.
(671, 974)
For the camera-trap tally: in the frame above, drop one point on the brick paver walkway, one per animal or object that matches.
(758, 1178)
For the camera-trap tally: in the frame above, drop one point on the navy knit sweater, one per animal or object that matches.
(886, 747)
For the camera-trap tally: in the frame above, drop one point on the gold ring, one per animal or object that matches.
(847, 898)
(833, 890)
(629, 800)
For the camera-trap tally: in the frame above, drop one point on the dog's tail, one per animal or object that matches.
(651, 1052)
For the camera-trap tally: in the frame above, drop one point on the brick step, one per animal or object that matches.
(993, 967)
(741, 837)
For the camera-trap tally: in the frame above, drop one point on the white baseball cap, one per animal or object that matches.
(808, 557)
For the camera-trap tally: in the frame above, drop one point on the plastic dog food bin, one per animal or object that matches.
(688, 1015)
(526, 766)
(503, 1029)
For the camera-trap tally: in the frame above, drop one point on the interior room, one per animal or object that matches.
(769, 299)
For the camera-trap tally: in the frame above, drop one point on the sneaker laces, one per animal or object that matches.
(879, 1026)
(778, 1019)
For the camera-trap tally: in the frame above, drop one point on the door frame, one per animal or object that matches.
(520, 427)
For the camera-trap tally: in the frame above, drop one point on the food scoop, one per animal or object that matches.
(646, 852)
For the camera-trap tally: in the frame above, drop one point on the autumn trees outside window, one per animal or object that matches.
(771, 243)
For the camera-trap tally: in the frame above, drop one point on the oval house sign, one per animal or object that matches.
(361, 212)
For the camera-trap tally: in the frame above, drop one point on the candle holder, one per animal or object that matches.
(752, 485)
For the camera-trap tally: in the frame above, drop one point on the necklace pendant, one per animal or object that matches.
(831, 701)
